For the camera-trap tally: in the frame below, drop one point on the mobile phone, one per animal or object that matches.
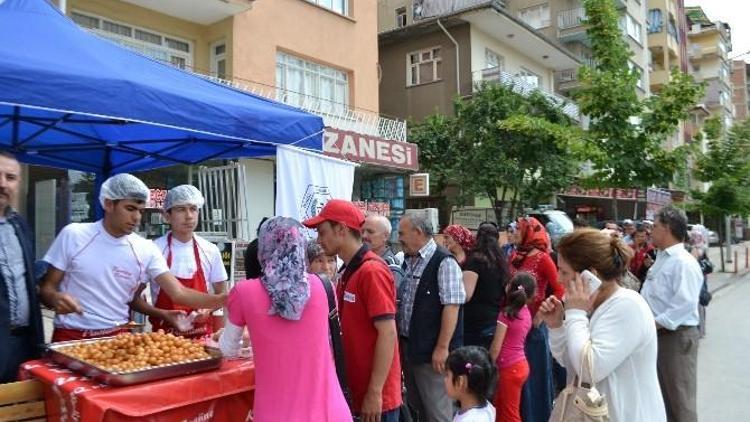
(592, 280)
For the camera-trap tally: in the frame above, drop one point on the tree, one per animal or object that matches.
(501, 145)
(725, 166)
(626, 134)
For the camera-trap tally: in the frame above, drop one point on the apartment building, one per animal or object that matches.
(433, 51)
(318, 55)
(667, 40)
(563, 20)
(739, 89)
(708, 52)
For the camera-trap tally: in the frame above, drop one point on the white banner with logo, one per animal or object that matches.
(305, 181)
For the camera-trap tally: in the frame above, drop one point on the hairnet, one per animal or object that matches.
(183, 195)
(123, 186)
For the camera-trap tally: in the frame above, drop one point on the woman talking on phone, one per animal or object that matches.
(617, 321)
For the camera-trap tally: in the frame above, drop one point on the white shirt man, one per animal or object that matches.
(86, 252)
(183, 261)
(671, 289)
(97, 270)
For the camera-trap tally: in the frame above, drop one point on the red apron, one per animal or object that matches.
(67, 334)
(163, 301)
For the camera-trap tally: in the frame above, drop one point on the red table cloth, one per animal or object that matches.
(225, 394)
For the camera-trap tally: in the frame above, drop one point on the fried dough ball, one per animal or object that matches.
(129, 352)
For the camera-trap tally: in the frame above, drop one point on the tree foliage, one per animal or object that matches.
(501, 145)
(627, 133)
(725, 166)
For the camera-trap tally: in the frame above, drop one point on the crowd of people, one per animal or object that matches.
(466, 330)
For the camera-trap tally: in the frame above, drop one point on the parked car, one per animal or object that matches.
(557, 223)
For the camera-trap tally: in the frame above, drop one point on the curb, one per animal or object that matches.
(728, 281)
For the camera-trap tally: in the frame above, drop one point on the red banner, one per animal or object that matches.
(370, 149)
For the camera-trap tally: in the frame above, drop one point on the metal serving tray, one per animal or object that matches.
(135, 377)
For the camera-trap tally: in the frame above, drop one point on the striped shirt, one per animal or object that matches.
(450, 283)
(13, 270)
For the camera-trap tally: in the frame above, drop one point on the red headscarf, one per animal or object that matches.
(533, 236)
(461, 235)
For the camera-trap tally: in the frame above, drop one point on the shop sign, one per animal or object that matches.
(631, 194)
(360, 148)
(419, 184)
(658, 197)
(472, 217)
(374, 208)
(156, 198)
(227, 251)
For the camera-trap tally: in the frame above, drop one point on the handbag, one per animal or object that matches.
(334, 329)
(578, 403)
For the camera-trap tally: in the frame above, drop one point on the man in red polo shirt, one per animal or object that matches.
(367, 308)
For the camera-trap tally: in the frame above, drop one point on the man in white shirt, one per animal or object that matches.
(671, 289)
(195, 261)
(97, 270)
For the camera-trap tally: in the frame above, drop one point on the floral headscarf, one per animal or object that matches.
(532, 235)
(461, 235)
(281, 251)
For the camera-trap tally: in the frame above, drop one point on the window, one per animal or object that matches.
(493, 60)
(529, 77)
(655, 21)
(632, 28)
(401, 17)
(219, 60)
(424, 66)
(639, 73)
(339, 6)
(536, 16)
(164, 48)
(314, 85)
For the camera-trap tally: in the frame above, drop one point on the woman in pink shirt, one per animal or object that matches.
(286, 314)
(513, 325)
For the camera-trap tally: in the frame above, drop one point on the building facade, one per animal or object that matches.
(563, 20)
(708, 52)
(442, 51)
(739, 89)
(318, 55)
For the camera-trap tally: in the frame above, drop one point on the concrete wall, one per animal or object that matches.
(303, 29)
(419, 101)
(514, 59)
(387, 13)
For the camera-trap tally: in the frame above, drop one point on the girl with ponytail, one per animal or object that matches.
(617, 322)
(507, 350)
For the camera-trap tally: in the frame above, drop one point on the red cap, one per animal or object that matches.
(338, 211)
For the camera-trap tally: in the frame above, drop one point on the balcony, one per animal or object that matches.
(520, 85)
(204, 12)
(570, 25)
(335, 115)
(699, 52)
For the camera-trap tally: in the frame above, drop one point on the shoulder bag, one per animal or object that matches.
(579, 403)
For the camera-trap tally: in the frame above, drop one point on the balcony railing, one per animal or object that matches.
(571, 18)
(521, 85)
(334, 114)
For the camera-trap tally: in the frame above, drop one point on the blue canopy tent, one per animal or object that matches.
(72, 100)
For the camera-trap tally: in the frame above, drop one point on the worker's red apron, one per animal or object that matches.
(67, 334)
(163, 301)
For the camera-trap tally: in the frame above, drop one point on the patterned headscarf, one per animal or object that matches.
(533, 235)
(461, 235)
(281, 252)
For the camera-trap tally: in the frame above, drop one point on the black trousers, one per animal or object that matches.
(19, 350)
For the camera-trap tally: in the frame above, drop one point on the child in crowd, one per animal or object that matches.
(469, 377)
(507, 350)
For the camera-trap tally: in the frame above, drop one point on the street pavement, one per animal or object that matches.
(723, 371)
